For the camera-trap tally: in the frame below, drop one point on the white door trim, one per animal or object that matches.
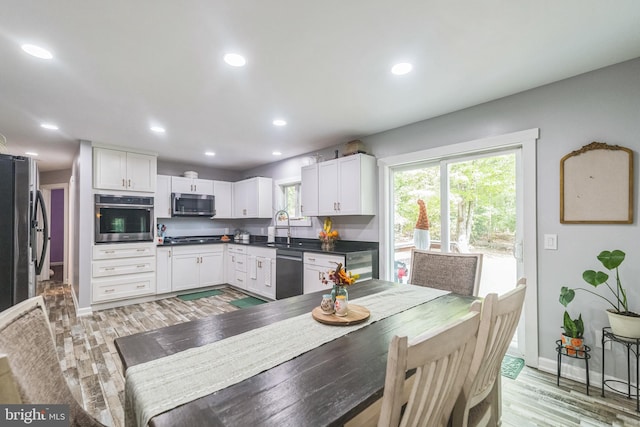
(65, 233)
(526, 140)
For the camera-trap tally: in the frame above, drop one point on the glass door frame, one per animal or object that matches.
(526, 142)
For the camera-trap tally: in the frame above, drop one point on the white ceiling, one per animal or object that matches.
(324, 66)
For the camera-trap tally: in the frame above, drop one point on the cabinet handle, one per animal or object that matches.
(140, 250)
(334, 206)
(319, 276)
(109, 268)
(195, 187)
(108, 291)
(338, 205)
(311, 259)
(123, 183)
(233, 258)
(141, 286)
(140, 265)
(169, 254)
(240, 262)
(109, 252)
(239, 279)
(259, 264)
(129, 184)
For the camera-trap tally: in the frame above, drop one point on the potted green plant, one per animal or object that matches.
(623, 322)
(573, 335)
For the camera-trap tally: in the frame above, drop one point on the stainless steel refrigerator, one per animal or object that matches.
(22, 218)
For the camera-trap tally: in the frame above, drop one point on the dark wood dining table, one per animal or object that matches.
(328, 385)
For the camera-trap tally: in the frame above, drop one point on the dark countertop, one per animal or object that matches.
(305, 245)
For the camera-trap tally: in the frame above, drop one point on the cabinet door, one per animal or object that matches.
(211, 268)
(185, 272)
(203, 186)
(240, 199)
(181, 185)
(312, 281)
(222, 191)
(266, 277)
(309, 190)
(327, 187)
(253, 281)
(141, 172)
(348, 189)
(162, 201)
(109, 169)
(163, 270)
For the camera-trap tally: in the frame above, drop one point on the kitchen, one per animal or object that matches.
(571, 101)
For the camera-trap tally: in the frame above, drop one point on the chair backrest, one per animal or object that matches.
(442, 359)
(27, 341)
(496, 331)
(458, 273)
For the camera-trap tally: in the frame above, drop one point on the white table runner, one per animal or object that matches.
(160, 385)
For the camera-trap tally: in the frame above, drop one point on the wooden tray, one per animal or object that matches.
(355, 314)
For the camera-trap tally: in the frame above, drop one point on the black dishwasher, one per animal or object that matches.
(288, 273)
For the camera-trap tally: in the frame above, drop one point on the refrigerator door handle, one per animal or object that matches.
(45, 230)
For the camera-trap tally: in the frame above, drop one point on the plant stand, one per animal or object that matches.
(633, 346)
(582, 355)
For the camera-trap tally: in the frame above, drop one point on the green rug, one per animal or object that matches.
(246, 302)
(196, 295)
(511, 366)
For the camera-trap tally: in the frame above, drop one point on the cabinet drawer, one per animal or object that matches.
(237, 249)
(327, 261)
(241, 262)
(123, 266)
(122, 287)
(240, 280)
(124, 250)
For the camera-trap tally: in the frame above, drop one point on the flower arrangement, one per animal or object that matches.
(328, 236)
(340, 277)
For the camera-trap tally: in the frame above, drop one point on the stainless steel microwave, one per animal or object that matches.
(183, 204)
(123, 219)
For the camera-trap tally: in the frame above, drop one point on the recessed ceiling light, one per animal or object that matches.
(235, 60)
(402, 68)
(157, 129)
(30, 153)
(277, 153)
(279, 122)
(37, 51)
(49, 126)
(209, 153)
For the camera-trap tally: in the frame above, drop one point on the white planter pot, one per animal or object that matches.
(624, 326)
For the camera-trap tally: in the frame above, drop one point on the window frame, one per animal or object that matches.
(279, 190)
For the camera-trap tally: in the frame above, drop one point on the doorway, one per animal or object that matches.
(474, 193)
(56, 261)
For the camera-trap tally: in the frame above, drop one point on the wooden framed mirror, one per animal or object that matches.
(596, 185)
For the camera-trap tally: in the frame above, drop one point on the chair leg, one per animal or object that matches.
(495, 399)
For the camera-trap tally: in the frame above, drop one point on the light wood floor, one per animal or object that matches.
(92, 367)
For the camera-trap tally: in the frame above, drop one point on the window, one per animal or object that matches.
(288, 197)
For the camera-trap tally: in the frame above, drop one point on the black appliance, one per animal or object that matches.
(289, 273)
(22, 214)
(123, 219)
(183, 204)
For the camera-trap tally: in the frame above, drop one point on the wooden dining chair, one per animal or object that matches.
(480, 402)
(458, 273)
(27, 341)
(442, 359)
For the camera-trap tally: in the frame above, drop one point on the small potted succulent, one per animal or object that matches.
(573, 335)
(623, 322)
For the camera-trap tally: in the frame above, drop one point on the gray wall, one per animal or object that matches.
(602, 105)
(55, 177)
(177, 169)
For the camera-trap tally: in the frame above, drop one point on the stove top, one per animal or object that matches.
(191, 239)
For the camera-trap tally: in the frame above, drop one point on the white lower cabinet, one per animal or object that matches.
(163, 270)
(261, 271)
(196, 266)
(315, 266)
(122, 270)
(236, 271)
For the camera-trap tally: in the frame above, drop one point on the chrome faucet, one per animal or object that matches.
(288, 227)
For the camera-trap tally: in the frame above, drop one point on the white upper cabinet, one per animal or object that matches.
(309, 191)
(346, 186)
(253, 198)
(162, 201)
(122, 170)
(223, 192)
(191, 185)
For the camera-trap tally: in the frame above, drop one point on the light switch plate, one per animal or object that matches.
(551, 241)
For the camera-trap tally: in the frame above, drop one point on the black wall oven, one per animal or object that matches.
(123, 218)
